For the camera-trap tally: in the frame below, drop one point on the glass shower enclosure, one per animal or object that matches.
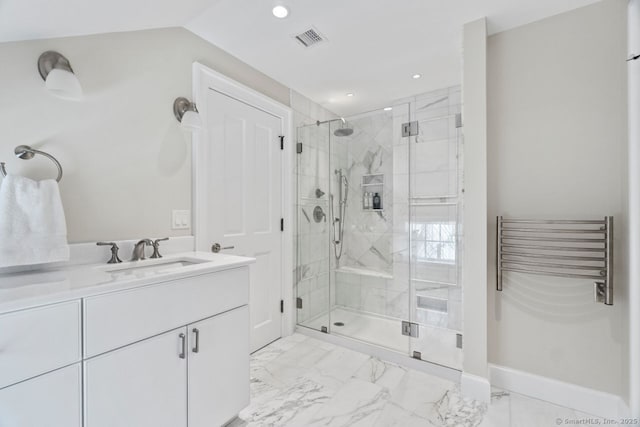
(378, 229)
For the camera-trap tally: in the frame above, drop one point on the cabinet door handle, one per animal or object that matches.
(183, 346)
(196, 334)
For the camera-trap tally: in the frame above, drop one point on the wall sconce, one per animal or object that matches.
(58, 76)
(187, 114)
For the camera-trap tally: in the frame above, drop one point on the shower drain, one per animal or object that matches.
(338, 323)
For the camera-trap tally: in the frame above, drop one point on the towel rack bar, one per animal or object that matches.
(552, 221)
(552, 231)
(554, 257)
(554, 265)
(25, 152)
(554, 248)
(553, 273)
(574, 249)
(552, 239)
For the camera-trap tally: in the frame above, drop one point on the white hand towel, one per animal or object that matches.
(32, 224)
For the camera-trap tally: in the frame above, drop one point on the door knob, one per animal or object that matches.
(217, 248)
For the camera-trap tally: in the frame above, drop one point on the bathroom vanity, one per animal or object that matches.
(151, 343)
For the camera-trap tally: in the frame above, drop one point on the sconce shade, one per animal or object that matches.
(191, 121)
(58, 75)
(64, 84)
(187, 114)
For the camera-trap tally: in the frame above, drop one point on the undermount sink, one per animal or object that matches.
(152, 267)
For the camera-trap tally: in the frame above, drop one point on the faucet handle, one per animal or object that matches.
(156, 247)
(114, 252)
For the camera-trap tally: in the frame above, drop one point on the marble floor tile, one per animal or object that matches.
(300, 381)
(384, 374)
(394, 416)
(357, 404)
(498, 412)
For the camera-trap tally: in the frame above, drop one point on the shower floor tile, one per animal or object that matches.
(437, 345)
(299, 381)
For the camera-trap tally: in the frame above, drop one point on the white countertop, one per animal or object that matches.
(39, 287)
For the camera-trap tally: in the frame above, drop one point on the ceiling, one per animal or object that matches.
(373, 46)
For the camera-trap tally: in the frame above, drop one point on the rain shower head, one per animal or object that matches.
(342, 130)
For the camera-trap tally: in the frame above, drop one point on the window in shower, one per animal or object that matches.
(435, 241)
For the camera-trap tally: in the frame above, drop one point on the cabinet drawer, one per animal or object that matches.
(120, 318)
(38, 340)
(52, 400)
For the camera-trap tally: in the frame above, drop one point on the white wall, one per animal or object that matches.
(474, 211)
(633, 379)
(557, 148)
(127, 163)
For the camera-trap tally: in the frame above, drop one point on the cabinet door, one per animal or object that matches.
(52, 400)
(218, 368)
(142, 385)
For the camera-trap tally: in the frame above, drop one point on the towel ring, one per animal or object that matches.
(25, 152)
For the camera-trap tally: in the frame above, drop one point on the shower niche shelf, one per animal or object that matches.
(372, 184)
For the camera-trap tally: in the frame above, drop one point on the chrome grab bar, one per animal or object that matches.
(530, 247)
(25, 152)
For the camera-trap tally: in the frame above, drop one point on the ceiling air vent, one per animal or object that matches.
(310, 37)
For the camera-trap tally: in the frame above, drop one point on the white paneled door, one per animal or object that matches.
(243, 207)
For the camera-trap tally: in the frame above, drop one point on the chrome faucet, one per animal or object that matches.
(138, 249)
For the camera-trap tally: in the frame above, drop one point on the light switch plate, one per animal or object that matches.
(181, 220)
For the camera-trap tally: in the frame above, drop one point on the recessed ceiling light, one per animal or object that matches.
(417, 76)
(280, 11)
(350, 94)
(388, 108)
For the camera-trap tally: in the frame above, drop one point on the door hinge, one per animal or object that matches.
(410, 128)
(458, 120)
(282, 142)
(298, 302)
(410, 329)
(299, 147)
(459, 340)
(281, 306)
(281, 224)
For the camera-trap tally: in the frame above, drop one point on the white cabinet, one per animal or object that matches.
(218, 368)
(171, 354)
(120, 318)
(38, 340)
(196, 375)
(52, 400)
(140, 385)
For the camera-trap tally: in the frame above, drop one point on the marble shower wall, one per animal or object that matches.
(369, 279)
(369, 151)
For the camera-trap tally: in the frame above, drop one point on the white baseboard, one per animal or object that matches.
(475, 387)
(572, 396)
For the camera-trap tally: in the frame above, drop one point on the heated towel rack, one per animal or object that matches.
(581, 249)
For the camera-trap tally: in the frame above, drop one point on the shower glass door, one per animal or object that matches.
(369, 180)
(313, 247)
(435, 207)
(378, 227)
